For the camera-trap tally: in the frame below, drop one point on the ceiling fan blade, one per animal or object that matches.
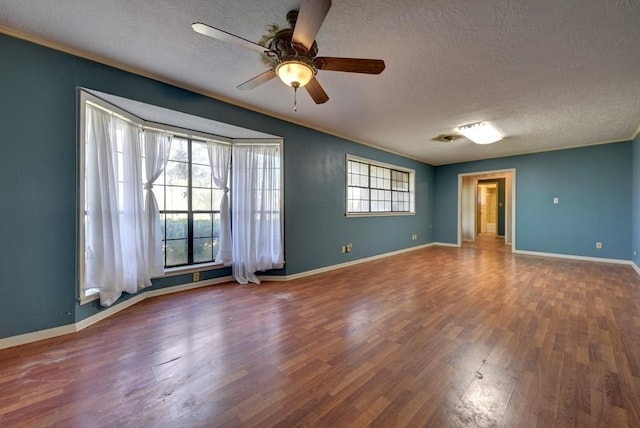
(317, 93)
(310, 17)
(219, 34)
(258, 80)
(350, 65)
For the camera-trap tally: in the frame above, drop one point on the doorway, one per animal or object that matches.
(486, 209)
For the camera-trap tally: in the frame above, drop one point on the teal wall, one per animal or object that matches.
(38, 185)
(597, 187)
(636, 200)
(593, 185)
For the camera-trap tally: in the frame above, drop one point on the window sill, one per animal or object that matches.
(94, 295)
(190, 269)
(382, 214)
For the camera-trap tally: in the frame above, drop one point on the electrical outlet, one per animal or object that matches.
(344, 249)
(196, 276)
(599, 245)
(349, 247)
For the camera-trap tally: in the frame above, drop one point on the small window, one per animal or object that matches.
(375, 188)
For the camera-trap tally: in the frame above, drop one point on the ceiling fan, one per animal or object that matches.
(292, 52)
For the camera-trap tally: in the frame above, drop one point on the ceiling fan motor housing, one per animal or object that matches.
(281, 44)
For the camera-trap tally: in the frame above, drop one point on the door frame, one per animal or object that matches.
(487, 175)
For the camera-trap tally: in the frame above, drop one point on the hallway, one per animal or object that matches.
(487, 241)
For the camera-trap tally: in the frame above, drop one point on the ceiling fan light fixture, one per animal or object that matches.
(480, 133)
(292, 71)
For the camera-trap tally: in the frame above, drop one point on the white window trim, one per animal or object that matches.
(412, 190)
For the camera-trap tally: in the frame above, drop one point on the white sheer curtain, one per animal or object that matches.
(257, 236)
(157, 146)
(220, 160)
(115, 223)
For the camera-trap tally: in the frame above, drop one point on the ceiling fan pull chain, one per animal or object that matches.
(295, 86)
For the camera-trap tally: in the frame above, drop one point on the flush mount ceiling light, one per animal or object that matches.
(480, 133)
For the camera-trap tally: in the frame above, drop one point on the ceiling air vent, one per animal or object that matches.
(447, 138)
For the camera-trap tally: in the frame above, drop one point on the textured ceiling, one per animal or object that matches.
(547, 73)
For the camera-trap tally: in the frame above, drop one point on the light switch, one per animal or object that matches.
(556, 200)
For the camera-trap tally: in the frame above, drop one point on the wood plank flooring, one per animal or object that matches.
(435, 337)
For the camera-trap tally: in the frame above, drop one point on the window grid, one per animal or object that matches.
(188, 202)
(377, 189)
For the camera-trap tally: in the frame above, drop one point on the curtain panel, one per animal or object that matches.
(157, 147)
(220, 161)
(256, 204)
(115, 251)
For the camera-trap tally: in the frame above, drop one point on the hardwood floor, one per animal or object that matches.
(435, 337)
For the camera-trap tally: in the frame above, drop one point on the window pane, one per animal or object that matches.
(176, 252)
(199, 153)
(162, 224)
(356, 193)
(176, 226)
(177, 198)
(202, 225)
(203, 249)
(176, 173)
(201, 176)
(216, 225)
(201, 199)
(179, 150)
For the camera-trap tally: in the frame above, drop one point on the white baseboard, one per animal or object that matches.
(35, 336)
(635, 266)
(23, 339)
(339, 265)
(573, 257)
(446, 244)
